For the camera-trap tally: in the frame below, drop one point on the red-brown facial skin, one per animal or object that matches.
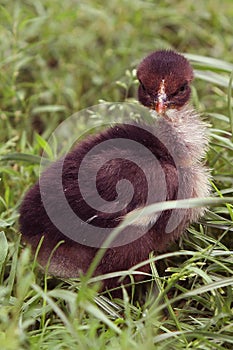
(174, 70)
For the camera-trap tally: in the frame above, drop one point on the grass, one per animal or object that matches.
(57, 58)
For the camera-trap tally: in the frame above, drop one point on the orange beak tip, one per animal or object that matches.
(160, 107)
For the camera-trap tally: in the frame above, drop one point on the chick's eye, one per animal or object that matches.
(142, 85)
(183, 88)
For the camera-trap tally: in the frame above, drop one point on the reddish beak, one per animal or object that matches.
(160, 107)
(160, 103)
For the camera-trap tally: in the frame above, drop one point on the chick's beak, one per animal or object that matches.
(160, 102)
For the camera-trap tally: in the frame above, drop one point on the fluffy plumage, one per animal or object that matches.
(178, 142)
